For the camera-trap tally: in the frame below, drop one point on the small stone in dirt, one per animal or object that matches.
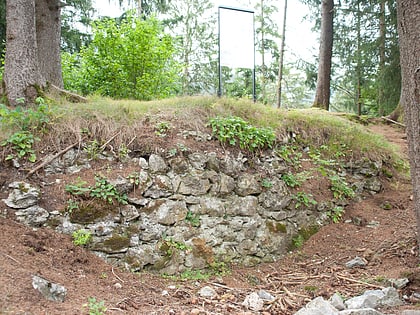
(51, 291)
(410, 312)
(265, 295)
(398, 283)
(207, 292)
(117, 285)
(195, 311)
(253, 302)
(356, 262)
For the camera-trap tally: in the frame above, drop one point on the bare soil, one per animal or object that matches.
(385, 238)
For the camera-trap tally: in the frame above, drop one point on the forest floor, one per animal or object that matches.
(315, 269)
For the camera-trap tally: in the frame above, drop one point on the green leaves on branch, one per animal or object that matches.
(127, 59)
(235, 130)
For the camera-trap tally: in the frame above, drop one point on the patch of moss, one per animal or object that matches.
(303, 235)
(89, 212)
(276, 227)
(117, 242)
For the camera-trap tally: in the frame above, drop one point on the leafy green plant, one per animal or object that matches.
(169, 246)
(123, 151)
(298, 241)
(336, 214)
(193, 218)
(81, 237)
(78, 188)
(21, 143)
(106, 191)
(101, 190)
(266, 183)
(95, 307)
(72, 205)
(93, 149)
(340, 188)
(27, 118)
(236, 131)
(302, 198)
(289, 154)
(162, 128)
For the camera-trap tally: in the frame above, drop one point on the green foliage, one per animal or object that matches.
(102, 190)
(131, 58)
(106, 191)
(169, 246)
(81, 237)
(27, 118)
(289, 154)
(235, 130)
(266, 183)
(302, 198)
(162, 128)
(294, 180)
(21, 143)
(93, 149)
(340, 188)
(95, 307)
(193, 218)
(298, 241)
(336, 214)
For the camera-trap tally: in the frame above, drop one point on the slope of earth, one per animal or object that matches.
(384, 238)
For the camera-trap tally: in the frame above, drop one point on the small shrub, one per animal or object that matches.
(236, 131)
(81, 237)
(95, 307)
(193, 219)
(340, 188)
(303, 198)
(336, 214)
(21, 143)
(106, 191)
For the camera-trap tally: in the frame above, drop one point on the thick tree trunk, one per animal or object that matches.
(409, 36)
(322, 96)
(22, 78)
(48, 36)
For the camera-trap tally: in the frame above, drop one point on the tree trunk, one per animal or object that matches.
(381, 65)
(283, 41)
(22, 78)
(322, 96)
(48, 36)
(409, 37)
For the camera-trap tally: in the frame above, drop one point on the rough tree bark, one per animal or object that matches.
(322, 95)
(22, 78)
(48, 36)
(409, 37)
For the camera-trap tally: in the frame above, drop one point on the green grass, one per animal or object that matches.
(101, 118)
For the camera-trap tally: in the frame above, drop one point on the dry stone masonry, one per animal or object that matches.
(190, 212)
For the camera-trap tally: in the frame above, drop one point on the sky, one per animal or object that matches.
(301, 42)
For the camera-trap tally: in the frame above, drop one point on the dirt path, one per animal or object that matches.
(385, 238)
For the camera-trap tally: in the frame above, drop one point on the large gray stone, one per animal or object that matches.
(248, 184)
(193, 184)
(363, 311)
(318, 306)
(369, 299)
(242, 206)
(157, 164)
(32, 216)
(51, 291)
(171, 212)
(22, 196)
